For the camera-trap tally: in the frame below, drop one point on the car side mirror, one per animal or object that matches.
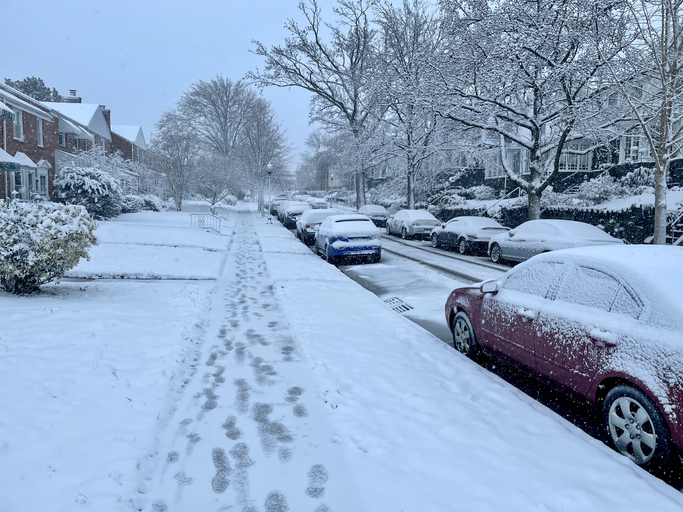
(490, 286)
(443, 226)
(511, 233)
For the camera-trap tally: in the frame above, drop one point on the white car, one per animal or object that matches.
(353, 235)
(467, 234)
(305, 226)
(543, 235)
(412, 224)
(378, 214)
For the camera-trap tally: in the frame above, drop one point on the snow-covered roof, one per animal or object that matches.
(25, 160)
(67, 126)
(131, 133)
(17, 99)
(89, 115)
(7, 161)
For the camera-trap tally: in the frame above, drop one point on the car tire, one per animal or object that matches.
(435, 241)
(628, 413)
(404, 234)
(387, 229)
(330, 259)
(462, 246)
(464, 339)
(496, 254)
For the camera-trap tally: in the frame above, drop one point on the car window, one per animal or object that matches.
(589, 287)
(535, 279)
(626, 304)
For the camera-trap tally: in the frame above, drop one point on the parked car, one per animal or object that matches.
(467, 234)
(305, 226)
(543, 235)
(274, 202)
(603, 324)
(318, 203)
(378, 214)
(349, 235)
(283, 207)
(412, 224)
(292, 213)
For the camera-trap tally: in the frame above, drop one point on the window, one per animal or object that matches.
(42, 186)
(635, 148)
(589, 287)
(39, 131)
(17, 182)
(572, 162)
(18, 125)
(626, 304)
(536, 279)
(62, 139)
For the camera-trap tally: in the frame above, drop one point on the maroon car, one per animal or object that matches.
(604, 324)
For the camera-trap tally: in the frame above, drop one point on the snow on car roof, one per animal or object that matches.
(418, 214)
(352, 224)
(373, 208)
(654, 270)
(565, 228)
(317, 215)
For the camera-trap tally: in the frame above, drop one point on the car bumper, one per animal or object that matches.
(362, 250)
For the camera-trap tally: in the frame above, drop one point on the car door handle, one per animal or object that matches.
(603, 338)
(527, 314)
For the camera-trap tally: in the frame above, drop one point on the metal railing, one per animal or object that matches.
(205, 221)
(220, 211)
(674, 227)
(517, 190)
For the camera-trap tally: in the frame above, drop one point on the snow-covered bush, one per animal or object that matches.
(640, 180)
(152, 203)
(91, 187)
(132, 203)
(39, 242)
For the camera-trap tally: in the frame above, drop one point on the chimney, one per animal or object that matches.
(72, 98)
(107, 115)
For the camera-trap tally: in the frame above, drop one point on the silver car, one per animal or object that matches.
(412, 224)
(543, 235)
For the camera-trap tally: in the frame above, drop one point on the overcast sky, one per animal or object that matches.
(138, 56)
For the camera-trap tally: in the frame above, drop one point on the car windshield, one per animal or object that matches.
(371, 208)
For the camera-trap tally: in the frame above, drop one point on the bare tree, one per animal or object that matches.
(263, 150)
(214, 183)
(529, 76)
(174, 151)
(411, 37)
(654, 89)
(338, 73)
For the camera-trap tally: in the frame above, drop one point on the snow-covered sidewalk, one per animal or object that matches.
(253, 376)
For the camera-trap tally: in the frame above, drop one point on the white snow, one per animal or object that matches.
(116, 393)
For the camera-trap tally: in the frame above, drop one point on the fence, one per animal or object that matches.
(205, 221)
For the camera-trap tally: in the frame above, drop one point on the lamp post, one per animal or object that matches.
(269, 168)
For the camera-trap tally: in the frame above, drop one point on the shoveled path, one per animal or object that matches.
(247, 434)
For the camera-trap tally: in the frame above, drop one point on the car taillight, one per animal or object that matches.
(416, 223)
(308, 226)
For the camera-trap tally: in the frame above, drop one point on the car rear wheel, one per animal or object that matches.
(496, 254)
(462, 246)
(404, 234)
(464, 339)
(435, 241)
(636, 428)
(387, 229)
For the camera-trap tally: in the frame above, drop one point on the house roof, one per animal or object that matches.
(86, 114)
(24, 160)
(7, 161)
(131, 133)
(17, 99)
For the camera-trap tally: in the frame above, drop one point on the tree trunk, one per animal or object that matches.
(411, 192)
(534, 205)
(660, 204)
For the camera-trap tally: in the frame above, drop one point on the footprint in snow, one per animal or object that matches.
(276, 502)
(317, 478)
(220, 482)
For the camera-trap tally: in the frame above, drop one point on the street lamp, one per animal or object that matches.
(269, 168)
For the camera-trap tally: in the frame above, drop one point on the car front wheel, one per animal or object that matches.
(464, 339)
(387, 229)
(496, 254)
(462, 246)
(636, 428)
(404, 234)
(435, 241)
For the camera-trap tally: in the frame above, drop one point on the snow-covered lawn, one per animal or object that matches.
(116, 394)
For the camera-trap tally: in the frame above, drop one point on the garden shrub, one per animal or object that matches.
(91, 187)
(40, 242)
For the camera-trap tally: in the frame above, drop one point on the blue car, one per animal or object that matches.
(348, 236)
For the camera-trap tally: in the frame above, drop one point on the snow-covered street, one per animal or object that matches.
(239, 371)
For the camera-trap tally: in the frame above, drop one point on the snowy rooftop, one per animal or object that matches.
(86, 114)
(131, 133)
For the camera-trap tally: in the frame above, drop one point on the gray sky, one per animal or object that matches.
(138, 56)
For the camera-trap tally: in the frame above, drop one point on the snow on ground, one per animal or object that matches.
(673, 198)
(280, 385)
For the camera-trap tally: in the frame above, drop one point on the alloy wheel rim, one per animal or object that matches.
(632, 430)
(495, 253)
(461, 336)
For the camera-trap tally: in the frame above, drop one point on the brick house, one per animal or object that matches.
(130, 141)
(29, 133)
